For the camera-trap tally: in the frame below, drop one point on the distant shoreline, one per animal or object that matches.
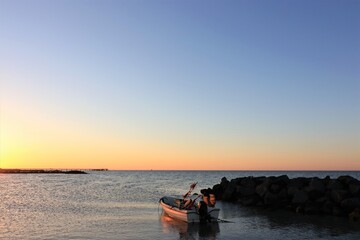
(40, 171)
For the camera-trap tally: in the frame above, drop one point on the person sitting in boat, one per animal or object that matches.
(188, 203)
(208, 197)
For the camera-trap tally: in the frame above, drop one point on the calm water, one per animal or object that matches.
(124, 205)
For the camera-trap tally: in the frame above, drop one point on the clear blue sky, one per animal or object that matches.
(267, 74)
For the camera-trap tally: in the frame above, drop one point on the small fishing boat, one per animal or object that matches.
(172, 208)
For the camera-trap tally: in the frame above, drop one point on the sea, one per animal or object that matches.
(125, 205)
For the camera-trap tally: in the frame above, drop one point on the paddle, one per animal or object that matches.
(222, 220)
(192, 186)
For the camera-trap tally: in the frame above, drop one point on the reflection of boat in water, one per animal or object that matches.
(189, 230)
(171, 208)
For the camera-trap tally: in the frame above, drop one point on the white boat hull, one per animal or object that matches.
(185, 215)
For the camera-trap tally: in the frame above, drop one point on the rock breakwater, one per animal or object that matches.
(339, 197)
(39, 171)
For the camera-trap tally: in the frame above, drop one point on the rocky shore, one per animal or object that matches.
(339, 197)
(39, 171)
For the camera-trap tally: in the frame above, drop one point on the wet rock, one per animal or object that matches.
(282, 180)
(262, 189)
(347, 180)
(224, 182)
(339, 195)
(355, 215)
(259, 180)
(327, 207)
(242, 191)
(275, 188)
(218, 191)
(354, 188)
(316, 188)
(350, 204)
(229, 193)
(312, 208)
(271, 199)
(292, 190)
(248, 182)
(300, 197)
(298, 183)
(337, 211)
(334, 184)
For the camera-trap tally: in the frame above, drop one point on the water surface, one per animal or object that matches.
(124, 205)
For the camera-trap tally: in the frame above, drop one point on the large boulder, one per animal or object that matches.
(275, 188)
(334, 184)
(298, 183)
(218, 191)
(347, 179)
(338, 211)
(350, 204)
(263, 188)
(354, 188)
(339, 195)
(355, 215)
(282, 180)
(229, 193)
(224, 183)
(271, 199)
(312, 208)
(242, 191)
(248, 182)
(300, 197)
(316, 189)
(327, 207)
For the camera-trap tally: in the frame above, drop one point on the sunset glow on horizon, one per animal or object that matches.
(205, 85)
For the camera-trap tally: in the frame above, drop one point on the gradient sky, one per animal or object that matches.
(232, 85)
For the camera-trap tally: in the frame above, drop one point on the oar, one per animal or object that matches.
(192, 186)
(223, 220)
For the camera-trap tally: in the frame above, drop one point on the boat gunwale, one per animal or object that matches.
(184, 211)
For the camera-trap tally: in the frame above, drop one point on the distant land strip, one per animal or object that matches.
(40, 171)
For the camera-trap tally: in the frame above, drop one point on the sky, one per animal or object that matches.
(180, 85)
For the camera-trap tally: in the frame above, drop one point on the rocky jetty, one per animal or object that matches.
(39, 171)
(339, 197)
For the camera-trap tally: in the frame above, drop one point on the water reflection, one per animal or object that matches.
(189, 230)
(252, 219)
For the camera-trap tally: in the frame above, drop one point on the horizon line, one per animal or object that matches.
(209, 170)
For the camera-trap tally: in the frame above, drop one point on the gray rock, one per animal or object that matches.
(339, 195)
(275, 188)
(248, 182)
(334, 184)
(229, 192)
(271, 199)
(350, 204)
(312, 208)
(298, 183)
(347, 180)
(337, 211)
(242, 191)
(355, 215)
(300, 197)
(316, 189)
(262, 188)
(327, 207)
(292, 190)
(354, 189)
